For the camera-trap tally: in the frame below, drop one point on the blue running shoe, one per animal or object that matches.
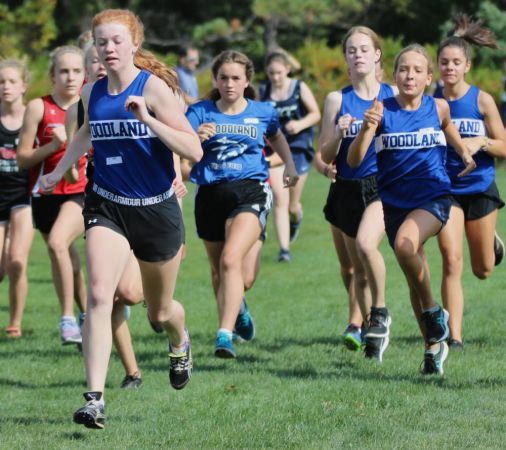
(352, 337)
(436, 325)
(223, 347)
(433, 360)
(244, 325)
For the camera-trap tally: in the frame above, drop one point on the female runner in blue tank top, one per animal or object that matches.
(298, 112)
(475, 196)
(135, 122)
(233, 197)
(353, 207)
(129, 290)
(414, 187)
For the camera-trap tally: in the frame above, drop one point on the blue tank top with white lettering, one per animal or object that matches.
(292, 108)
(411, 150)
(235, 152)
(129, 158)
(468, 120)
(355, 106)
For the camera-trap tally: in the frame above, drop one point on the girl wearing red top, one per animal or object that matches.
(57, 216)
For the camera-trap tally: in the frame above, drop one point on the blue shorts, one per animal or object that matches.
(395, 217)
(302, 160)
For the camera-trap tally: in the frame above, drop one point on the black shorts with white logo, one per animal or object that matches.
(45, 209)
(476, 206)
(216, 203)
(154, 232)
(347, 201)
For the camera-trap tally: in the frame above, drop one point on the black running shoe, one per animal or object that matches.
(91, 415)
(295, 228)
(376, 337)
(131, 381)
(453, 344)
(284, 255)
(375, 347)
(157, 328)
(498, 249)
(433, 360)
(379, 323)
(436, 325)
(180, 365)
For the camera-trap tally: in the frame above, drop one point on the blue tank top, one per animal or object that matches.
(291, 109)
(355, 106)
(411, 149)
(235, 152)
(468, 120)
(129, 159)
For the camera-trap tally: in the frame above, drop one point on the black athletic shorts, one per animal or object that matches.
(216, 203)
(347, 201)
(45, 209)
(476, 206)
(20, 200)
(154, 232)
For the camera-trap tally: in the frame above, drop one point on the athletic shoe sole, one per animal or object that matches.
(225, 353)
(498, 249)
(441, 355)
(72, 341)
(352, 343)
(88, 420)
(383, 346)
(249, 338)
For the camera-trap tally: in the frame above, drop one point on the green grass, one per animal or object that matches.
(294, 386)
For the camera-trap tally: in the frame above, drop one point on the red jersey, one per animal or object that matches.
(54, 116)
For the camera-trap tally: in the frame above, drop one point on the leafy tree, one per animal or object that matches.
(28, 28)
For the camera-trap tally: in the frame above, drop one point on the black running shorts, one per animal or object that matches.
(476, 206)
(215, 203)
(154, 232)
(45, 209)
(347, 201)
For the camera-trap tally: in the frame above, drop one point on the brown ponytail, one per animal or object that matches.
(144, 59)
(466, 32)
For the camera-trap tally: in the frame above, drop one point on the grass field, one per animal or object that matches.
(295, 386)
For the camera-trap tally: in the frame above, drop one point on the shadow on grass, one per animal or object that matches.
(65, 352)
(29, 385)
(443, 382)
(41, 280)
(29, 421)
(74, 436)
